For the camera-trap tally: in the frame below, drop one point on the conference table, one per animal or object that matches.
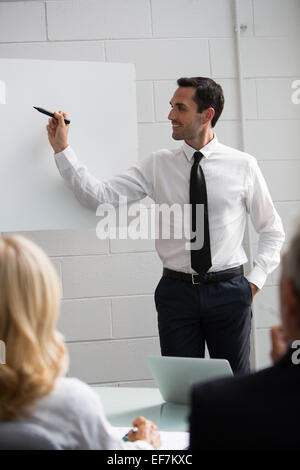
(122, 405)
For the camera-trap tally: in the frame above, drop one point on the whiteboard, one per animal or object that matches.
(100, 99)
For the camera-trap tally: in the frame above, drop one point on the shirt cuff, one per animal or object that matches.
(257, 276)
(65, 159)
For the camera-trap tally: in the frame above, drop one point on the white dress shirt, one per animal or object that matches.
(235, 186)
(73, 417)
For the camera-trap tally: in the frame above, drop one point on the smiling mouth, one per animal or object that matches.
(175, 126)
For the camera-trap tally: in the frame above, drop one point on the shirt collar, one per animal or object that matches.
(206, 150)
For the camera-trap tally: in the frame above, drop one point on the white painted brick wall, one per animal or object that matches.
(271, 57)
(111, 361)
(183, 18)
(223, 57)
(85, 319)
(69, 242)
(145, 102)
(273, 139)
(14, 27)
(96, 19)
(282, 178)
(289, 211)
(108, 315)
(58, 50)
(276, 17)
(120, 274)
(282, 106)
(134, 317)
(162, 58)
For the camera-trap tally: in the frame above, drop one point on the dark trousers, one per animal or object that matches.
(218, 313)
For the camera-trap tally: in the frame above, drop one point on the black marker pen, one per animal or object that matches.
(43, 111)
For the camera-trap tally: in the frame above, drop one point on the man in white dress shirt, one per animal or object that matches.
(203, 295)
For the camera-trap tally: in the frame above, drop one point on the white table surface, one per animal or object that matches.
(122, 405)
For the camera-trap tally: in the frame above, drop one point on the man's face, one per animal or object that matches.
(186, 121)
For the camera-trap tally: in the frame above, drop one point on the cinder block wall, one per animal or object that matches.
(108, 315)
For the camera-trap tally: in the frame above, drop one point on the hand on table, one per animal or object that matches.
(147, 431)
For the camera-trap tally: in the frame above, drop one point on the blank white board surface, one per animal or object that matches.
(100, 100)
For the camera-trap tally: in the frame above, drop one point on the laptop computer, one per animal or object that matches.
(174, 376)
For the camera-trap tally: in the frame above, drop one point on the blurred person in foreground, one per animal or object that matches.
(32, 383)
(260, 411)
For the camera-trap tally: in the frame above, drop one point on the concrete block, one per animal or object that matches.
(289, 212)
(22, 21)
(84, 51)
(183, 18)
(111, 361)
(270, 57)
(261, 141)
(162, 58)
(134, 317)
(276, 18)
(229, 133)
(85, 319)
(97, 19)
(132, 246)
(274, 98)
(155, 136)
(283, 179)
(102, 276)
(145, 102)
(223, 57)
(68, 242)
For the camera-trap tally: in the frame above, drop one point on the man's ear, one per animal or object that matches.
(208, 114)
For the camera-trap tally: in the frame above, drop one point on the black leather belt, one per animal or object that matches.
(204, 278)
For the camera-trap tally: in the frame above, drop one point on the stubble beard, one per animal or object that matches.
(179, 135)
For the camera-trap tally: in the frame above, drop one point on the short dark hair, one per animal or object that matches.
(208, 94)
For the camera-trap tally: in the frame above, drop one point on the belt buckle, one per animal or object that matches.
(195, 283)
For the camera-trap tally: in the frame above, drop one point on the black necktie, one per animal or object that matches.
(200, 258)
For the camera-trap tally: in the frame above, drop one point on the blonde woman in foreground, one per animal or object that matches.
(32, 383)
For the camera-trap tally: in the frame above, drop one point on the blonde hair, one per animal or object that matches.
(30, 294)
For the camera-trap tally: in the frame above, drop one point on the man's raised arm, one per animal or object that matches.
(133, 184)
